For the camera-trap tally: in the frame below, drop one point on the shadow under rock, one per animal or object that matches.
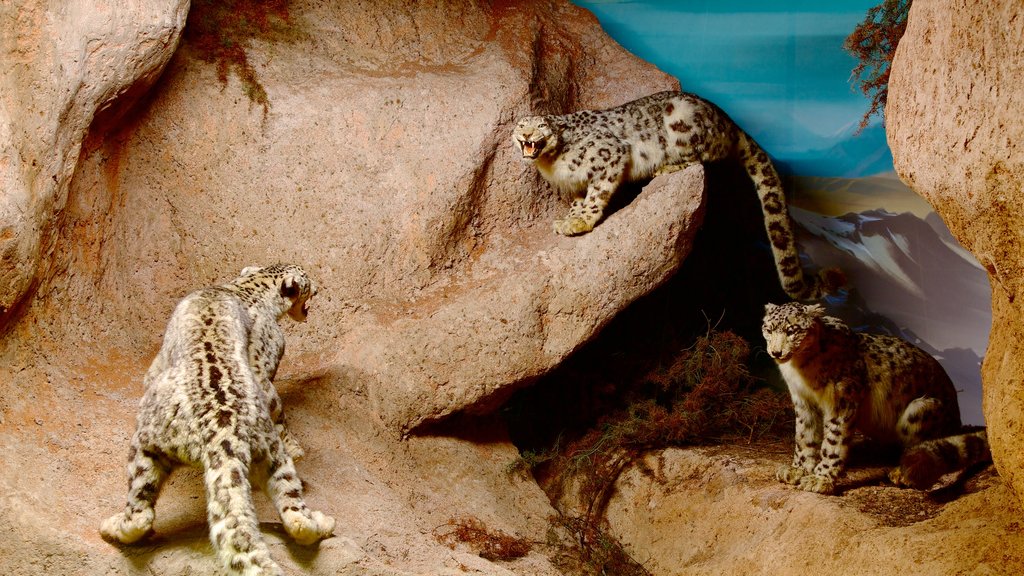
(723, 284)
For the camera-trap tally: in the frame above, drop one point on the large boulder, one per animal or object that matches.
(383, 164)
(390, 174)
(954, 125)
(63, 65)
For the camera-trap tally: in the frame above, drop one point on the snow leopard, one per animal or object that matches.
(589, 154)
(209, 402)
(889, 390)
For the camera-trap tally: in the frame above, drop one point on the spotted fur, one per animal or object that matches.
(589, 154)
(922, 465)
(209, 402)
(884, 387)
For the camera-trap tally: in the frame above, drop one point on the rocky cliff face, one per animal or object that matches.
(955, 129)
(64, 65)
(132, 175)
(383, 164)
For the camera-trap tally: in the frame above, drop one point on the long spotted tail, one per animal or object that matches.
(780, 231)
(234, 530)
(922, 465)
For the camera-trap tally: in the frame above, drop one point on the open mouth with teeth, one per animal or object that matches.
(531, 149)
(299, 314)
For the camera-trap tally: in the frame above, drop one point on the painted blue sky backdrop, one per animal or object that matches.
(777, 67)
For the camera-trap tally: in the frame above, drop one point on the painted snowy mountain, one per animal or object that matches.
(908, 276)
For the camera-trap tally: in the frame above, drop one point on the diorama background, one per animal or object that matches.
(780, 70)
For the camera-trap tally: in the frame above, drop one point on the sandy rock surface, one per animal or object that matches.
(720, 511)
(955, 129)
(384, 165)
(64, 64)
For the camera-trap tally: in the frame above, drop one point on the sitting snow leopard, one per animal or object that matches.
(209, 402)
(886, 388)
(590, 153)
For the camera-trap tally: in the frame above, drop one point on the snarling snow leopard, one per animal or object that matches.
(590, 153)
(209, 402)
(882, 386)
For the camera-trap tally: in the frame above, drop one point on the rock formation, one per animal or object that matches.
(954, 125)
(383, 164)
(63, 66)
(720, 511)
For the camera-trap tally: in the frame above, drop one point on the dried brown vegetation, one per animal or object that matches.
(705, 394)
(573, 545)
(578, 546)
(702, 394)
(218, 31)
(874, 42)
(493, 545)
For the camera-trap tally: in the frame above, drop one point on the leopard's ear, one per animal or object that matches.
(248, 270)
(769, 307)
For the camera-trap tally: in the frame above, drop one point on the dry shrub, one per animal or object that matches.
(704, 394)
(874, 42)
(574, 545)
(579, 546)
(489, 545)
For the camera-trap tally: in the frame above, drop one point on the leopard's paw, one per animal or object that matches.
(307, 526)
(127, 529)
(668, 169)
(818, 484)
(572, 226)
(790, 474)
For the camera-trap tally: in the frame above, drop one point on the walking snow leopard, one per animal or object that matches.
(209, 401)
(590, 153)
(886, 388)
